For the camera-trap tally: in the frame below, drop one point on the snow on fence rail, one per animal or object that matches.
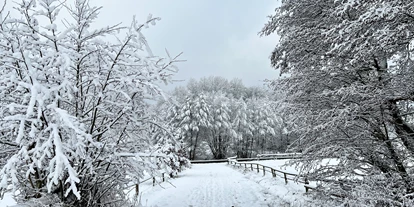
(280, 156)
(207, 161)
(274, 172)
(259, 157)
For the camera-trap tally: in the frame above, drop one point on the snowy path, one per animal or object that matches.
(206, 185)
(217, 185)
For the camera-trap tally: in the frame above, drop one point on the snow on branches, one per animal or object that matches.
(71, 103)
(349, 93)
(226, 118)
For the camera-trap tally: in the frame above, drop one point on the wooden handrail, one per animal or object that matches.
(273, 171)
(280, 155)
(232, 161)
(145, 180)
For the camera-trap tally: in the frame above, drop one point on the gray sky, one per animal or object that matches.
(217, 37)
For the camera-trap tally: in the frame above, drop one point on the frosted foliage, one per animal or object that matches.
(175, 158)
(189, 118)
(348, 91)
(227, 116)
(167, 141)
(72, 109)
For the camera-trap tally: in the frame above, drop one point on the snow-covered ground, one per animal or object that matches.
(221, 185)
(218, 185)
(7, 200)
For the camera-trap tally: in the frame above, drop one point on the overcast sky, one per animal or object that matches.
(217, 37)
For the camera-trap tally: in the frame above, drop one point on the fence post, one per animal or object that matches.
(286, 181)
(245, 165)
(264, 171)
(251, 166)
(136, 189)
(163, 178)
(258, 168)
(153, 181)
(306, 183)
(273, 172)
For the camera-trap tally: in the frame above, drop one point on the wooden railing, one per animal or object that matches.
(279, 156)
(208, 161)
(154, 181)
(272, 171)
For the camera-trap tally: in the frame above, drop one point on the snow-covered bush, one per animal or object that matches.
(72, 109)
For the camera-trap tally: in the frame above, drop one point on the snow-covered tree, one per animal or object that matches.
(243, 127)
(72, 105)
(170, 150)
(191, 119)
(220, 132)
(350, 71)
(255, 122)
(262, 116)
(230, 118)
(168, 143)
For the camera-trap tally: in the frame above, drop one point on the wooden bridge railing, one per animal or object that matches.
(272, 171)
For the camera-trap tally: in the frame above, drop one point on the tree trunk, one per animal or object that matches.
(195, 146)
(398, 161)
(404, 131)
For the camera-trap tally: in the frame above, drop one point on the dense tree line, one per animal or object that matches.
(220, 118)
(349, 92)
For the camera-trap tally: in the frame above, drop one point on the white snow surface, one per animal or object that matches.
(7, 200)
(218, 185)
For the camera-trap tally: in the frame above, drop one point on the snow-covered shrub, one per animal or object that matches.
(72, 110)
(167, 143)
(175, 159)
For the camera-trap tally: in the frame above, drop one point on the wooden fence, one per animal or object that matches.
(154, 181)
(275, 172)
(272, 171)
(279, 156)
(259, 157)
